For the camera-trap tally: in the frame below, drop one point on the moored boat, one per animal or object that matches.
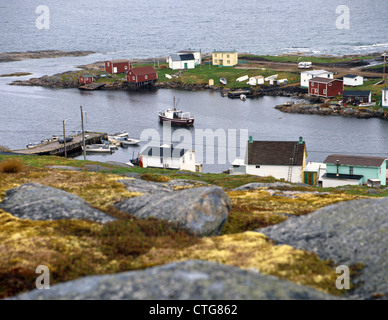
(176, 117)
(98, 148)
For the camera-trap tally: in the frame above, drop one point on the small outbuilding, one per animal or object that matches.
(197, 55)
(353, 80)
(257, 80)
(325, 87)
(356, 97)
(85, 78)
(117, 66)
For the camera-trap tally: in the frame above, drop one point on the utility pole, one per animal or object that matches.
(64, 137)
(83, 133)
(385, 56)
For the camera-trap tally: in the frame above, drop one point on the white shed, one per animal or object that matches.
(256, 80)
(182, 61)
(353, 80)
(168, 157)
(308, 75)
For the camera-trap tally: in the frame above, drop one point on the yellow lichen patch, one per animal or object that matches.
(252, 250)
(262, 208)
(66, 247)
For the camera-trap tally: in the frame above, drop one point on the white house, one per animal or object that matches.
(281, 159)
(384, 99)
(197, 55)
(181, 61)
(353, 80)
(168, 158)
(308, 75)
(257, 80)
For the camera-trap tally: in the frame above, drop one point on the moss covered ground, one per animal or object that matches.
(73, 249)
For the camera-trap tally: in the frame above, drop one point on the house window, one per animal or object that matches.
(316, 90)
(228, 56)
(229, 61)
(191, 156)
(161, 160)
(324, 91)
(330, 84)
(183, 159)
(125, 67)
(133, 78)
(312, 84)
(257, 167)
(215, 60)
(108, 64)
(146, 77)
(351, 171)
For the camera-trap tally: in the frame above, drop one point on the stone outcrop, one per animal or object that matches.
(203, 211)
(349, 233)
(34, 201)
(145, 187)
(197, 280)
(334, 110)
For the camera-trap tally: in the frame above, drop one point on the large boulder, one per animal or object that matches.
(203, 211)
(348, 233)
(34, 201)
(197, 280)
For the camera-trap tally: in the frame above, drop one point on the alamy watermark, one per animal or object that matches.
(43, 281)
(343, 21)
(343, 281)
(206, 142)
(43, 20)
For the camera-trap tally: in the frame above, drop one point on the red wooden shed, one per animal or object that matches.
(142, 75)
(85, 78)
(117, 66)
(324, 87)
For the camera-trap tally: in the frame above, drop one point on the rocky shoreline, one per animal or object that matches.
(334, 110)
(41, 54)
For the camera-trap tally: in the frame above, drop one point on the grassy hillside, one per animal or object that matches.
(73, 248)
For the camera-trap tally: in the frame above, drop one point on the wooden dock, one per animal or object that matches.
(91, 86)
(236, 94)
(58, 149)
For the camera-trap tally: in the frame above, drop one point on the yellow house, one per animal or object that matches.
(225, 58)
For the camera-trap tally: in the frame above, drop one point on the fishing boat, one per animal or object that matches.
(223, 81)
(176, 117)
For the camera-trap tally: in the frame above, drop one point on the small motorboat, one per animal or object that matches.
(98, 148)
(123, 140)
(176, 117)
(223, 81)
(243, 97)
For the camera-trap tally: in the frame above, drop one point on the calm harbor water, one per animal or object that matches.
(31, 114)
(157, 28)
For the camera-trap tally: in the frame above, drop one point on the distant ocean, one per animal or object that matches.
(140, 29)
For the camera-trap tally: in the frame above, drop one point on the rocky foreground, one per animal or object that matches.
(186, 238)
